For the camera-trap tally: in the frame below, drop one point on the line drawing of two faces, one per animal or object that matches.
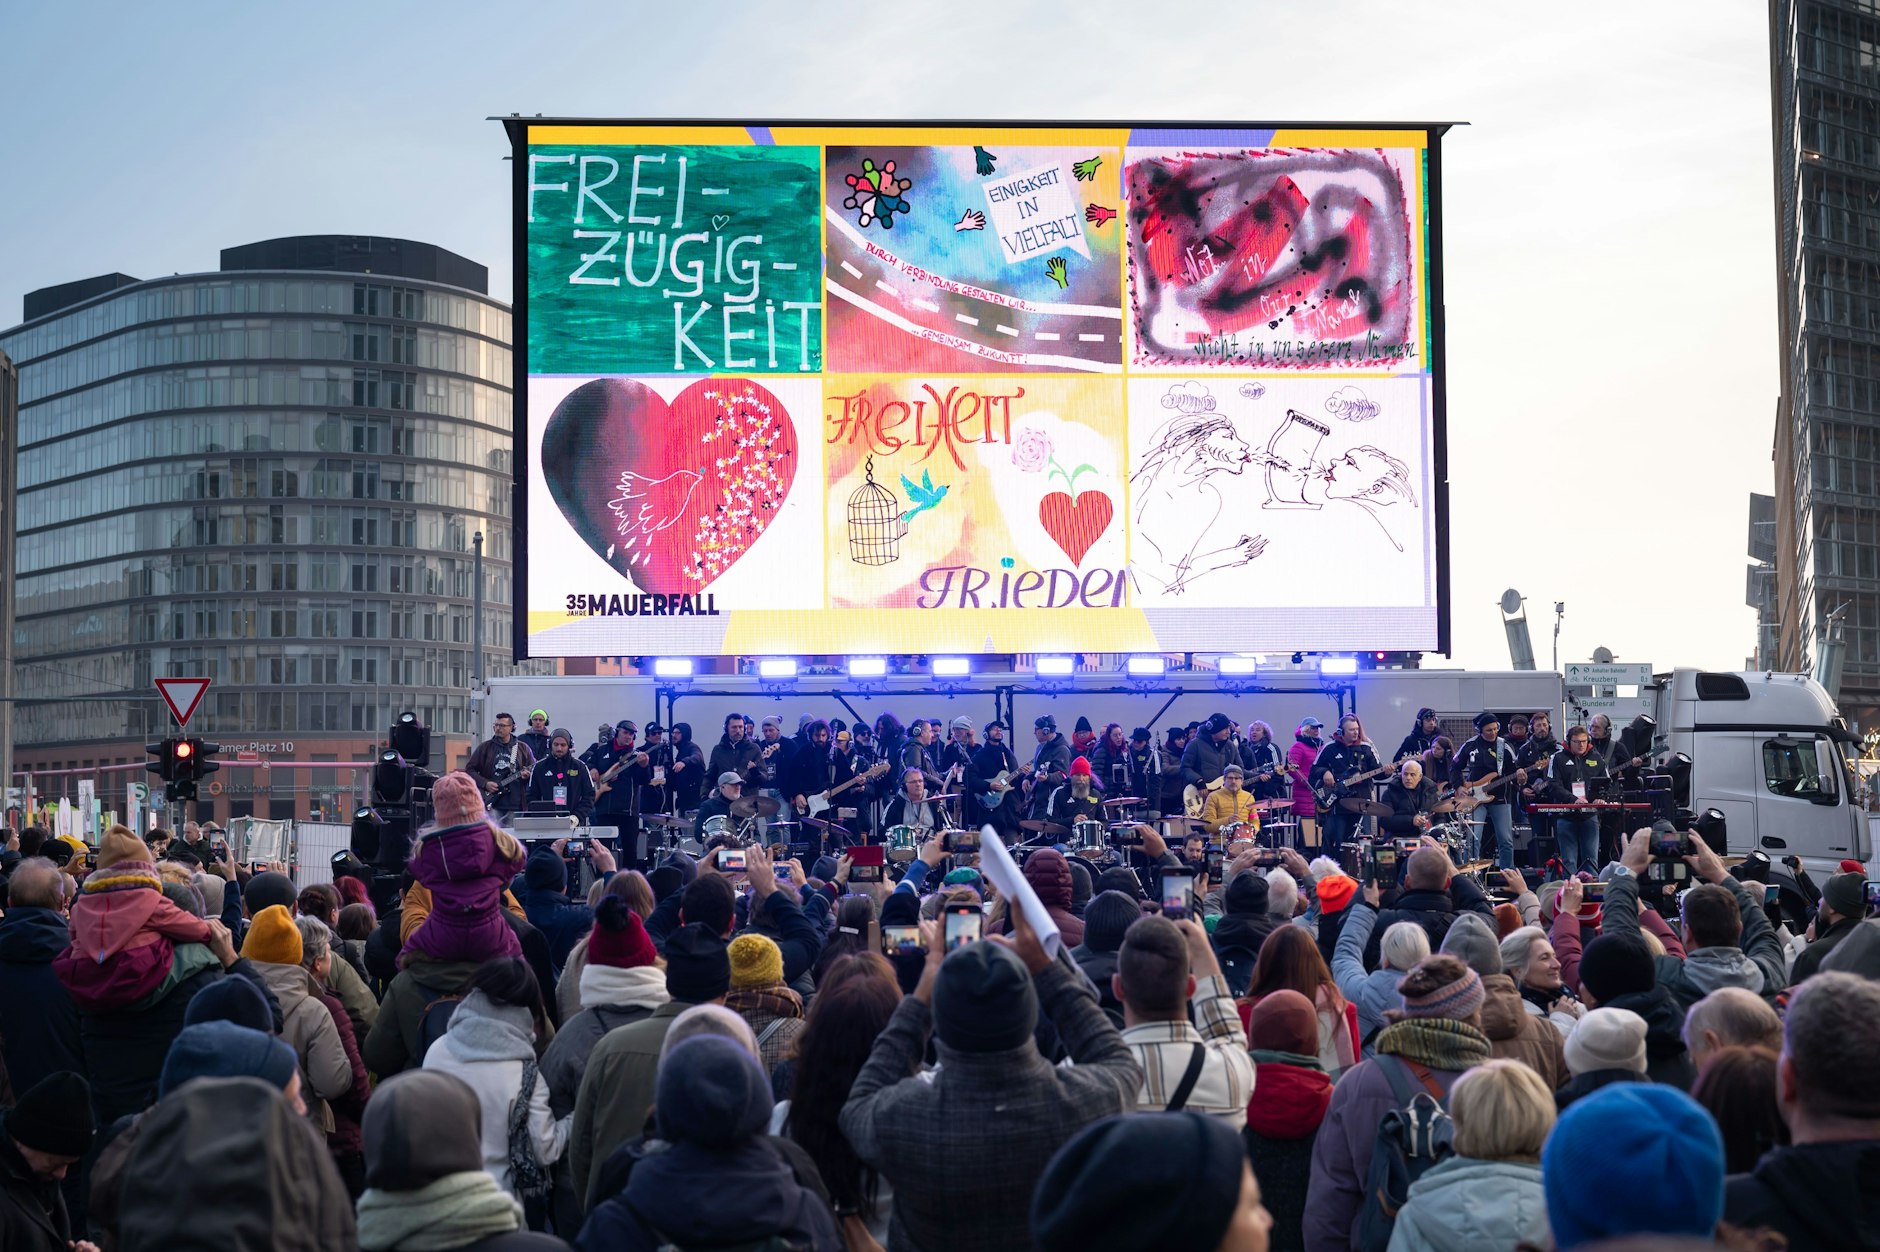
(1178, 488)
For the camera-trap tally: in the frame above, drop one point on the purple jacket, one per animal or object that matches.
(465, 868)
(1341, 1155)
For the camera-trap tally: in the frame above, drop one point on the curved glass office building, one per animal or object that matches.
(270, 476)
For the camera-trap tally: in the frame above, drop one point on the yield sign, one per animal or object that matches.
(182, 695)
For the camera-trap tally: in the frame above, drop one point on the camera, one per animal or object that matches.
(867, 863)
(731, 860)
(960, 841)
(901, 941)
(1671, 841)
(576, 847)
(1593, 892)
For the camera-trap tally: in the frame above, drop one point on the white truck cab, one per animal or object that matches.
(1770, 753)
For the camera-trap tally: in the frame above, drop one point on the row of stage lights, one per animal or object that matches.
(870, 668)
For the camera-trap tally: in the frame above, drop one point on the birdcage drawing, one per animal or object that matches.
(875, 523)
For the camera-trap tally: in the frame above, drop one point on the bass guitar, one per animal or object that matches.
(1326, 796)
(822, 801)
(606, 783)
(994, 794)
(1483, 792)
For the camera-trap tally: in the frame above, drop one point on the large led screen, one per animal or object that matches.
(978, 388)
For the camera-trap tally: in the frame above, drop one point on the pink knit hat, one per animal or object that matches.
(457, 800)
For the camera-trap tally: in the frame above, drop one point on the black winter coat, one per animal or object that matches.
(32, 1211)
(1666, 1059)
(1823, 1196)
(1434, 911)
(38, 1021)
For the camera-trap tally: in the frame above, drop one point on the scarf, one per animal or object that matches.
(124, 876)
(1261, 1056)
(1543, 999)
(455, 1210)
(1435, 1042)
(776, 1000)
(482, 1030)
(608, 986)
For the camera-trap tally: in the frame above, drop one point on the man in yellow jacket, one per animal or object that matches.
(1230, 804)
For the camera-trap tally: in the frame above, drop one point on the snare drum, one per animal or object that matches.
(1087, 835)
(902, 841)
(722, 824)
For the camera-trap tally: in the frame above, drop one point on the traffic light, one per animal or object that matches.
(164, 766)
(202, 762)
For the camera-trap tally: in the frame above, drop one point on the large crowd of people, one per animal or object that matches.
(735, 1049)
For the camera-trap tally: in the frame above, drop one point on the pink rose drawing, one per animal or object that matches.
(1033, 450)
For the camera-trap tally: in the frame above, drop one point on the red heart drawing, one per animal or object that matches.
(1076, 526)
(671, 495)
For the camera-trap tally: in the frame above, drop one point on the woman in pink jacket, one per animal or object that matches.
(124, 929)
(1305, 750)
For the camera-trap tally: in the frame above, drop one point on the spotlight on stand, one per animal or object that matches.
(1338, 666)
(367, 830)
(391, 779)
(411, 738)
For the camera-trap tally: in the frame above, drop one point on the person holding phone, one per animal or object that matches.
(1843, 907)
(1164, 967)
(964, 1147)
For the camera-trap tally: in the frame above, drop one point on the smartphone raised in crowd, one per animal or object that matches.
(965, 923)
(731, 860)
(867, 863)
(900, 940)
(1593, 893)
(1177, 890)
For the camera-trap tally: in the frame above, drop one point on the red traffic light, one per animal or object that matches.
(184, 749)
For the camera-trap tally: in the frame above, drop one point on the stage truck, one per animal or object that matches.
(1767, 750)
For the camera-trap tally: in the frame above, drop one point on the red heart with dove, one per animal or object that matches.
(670, 494)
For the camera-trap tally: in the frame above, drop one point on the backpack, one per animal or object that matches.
(1411, 1138)
(433, 1021)
(1237, 967)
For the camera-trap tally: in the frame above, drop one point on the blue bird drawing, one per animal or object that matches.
(925, 496)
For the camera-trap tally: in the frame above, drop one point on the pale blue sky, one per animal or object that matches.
(1611, 277)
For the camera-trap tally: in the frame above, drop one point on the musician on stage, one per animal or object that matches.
(615, 797)
(656, 788)
(1265, 764)
(1050, 764)
(730, 789)
(847, 760)
(536, 736)
(811, 771)
(1339, 760)
(1210, 752)
(990, 759)
(957, 757)
(1483, 760)
(562, 780)
(917, 753)
(1145, 765)
(1232, 803)
(1421, 735)
(1410, 796)
(1167, 797)
(775, 759)
(734, 751)
(911, 807)
(501, 765)
(1534, 755)
(1109, 762)
(1074, 799)
(1575, 775)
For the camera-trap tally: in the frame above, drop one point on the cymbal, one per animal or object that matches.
(1045, 828)
(778, 825)
(1182, 820)
(1271, 806)
(1475, 867)
(1122, 800)
(755, 806)
(831, 827)
(938, 799)
(1369, 808)
(1123, 825)
(1444, 806)
(664, 819)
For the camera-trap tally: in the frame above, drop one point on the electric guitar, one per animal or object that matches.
(606, 783)
(1326, 796)
(1483, 792)
(994, 794)
(820, 803)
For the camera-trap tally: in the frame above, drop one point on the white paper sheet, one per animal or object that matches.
(998, 865)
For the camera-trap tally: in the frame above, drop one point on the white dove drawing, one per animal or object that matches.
(639, 525)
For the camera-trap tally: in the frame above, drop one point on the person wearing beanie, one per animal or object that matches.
(274, 948)
(545, 900)
(1083, 737)
(1050, 764)
(1165, 972)
(1818, 1191)
(1512, 1031)
(1292, 1092)
(39, 1031)
(617, 1090)
(42, 1136)
(425, 1182)
(718, 1183)
(1078, 798)
(1435, 1038)
(1725, 929)
(464, 862)
(124, 930)
(1633, 1159)
(226, 1163)
(772, 1009)
(1843, 907)
(1618, 971)
(1108, 915)
(1375, 992)
(222, 1049)
(1488, 1196)
(1243, 927)
(996, 1110)
(499, 769)
(1607, 1046)
(1148, 1182)
(1231, 803)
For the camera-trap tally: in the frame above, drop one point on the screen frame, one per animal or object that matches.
(517, 127)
